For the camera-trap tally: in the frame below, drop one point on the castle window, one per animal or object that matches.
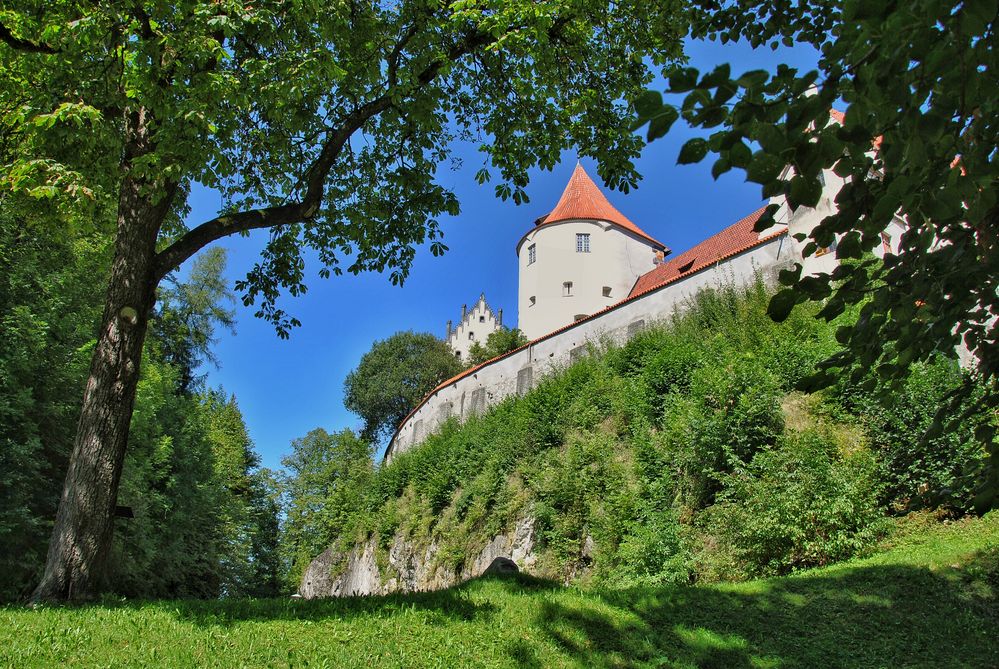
(532, 300)
(567, 289)
(607, 291)
(532, 254)
(482, 319)
(582, 242)
(471, 336)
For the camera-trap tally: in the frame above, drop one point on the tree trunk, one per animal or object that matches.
(81, 537)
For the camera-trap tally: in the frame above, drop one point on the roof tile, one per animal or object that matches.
(583, 199)
(733, 239)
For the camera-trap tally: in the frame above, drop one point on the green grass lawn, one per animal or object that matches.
(930, 600)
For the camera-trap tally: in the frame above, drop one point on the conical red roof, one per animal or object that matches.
(583, 199)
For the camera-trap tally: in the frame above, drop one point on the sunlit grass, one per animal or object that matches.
(929, 601)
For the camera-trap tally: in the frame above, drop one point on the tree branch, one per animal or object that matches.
(19, 44)
(314, 178)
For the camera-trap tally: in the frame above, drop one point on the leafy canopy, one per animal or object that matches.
(325, 122)
(918, 144)
(324, 486)
(394, 376)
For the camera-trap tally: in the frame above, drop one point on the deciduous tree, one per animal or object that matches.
(394, 376)
(324, 123)
(497, 343)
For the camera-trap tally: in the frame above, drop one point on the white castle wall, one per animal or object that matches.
(517, 372)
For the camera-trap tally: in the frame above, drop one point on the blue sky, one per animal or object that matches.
(287, 387)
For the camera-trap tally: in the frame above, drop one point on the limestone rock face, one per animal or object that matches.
(323, 578)
(410, 568)
(317, 580)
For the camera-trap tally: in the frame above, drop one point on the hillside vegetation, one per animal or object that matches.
(684, 455)
(929, 601)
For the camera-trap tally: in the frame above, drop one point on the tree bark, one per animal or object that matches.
(81, 538)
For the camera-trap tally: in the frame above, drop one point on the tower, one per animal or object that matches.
(583, 256)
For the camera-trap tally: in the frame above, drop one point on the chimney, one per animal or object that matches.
(499, 318)
(448, 330)
(464, 312)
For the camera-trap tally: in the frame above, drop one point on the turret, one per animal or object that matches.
(581, 257)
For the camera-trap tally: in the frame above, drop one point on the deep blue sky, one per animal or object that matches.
(287, 387)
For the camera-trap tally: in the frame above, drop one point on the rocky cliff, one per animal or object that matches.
(409, 568)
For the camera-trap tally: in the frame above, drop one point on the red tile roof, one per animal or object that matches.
(583, 199)
(730, 241)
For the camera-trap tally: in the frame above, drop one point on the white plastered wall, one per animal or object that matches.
(478, 324)
(615, 261)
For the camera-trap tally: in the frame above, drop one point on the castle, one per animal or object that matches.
(587, 274)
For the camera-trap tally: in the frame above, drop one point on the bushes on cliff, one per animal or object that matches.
(679, 455)
(920, 472)
(803, 503)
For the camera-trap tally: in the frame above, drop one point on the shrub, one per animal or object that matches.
(919, 472)
(801, 504)
(730, 413)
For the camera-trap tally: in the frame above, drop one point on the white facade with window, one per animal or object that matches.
(580, 267)
(475, 325)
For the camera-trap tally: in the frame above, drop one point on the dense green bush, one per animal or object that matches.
(800, 504)
(729, 414)
(919, 472)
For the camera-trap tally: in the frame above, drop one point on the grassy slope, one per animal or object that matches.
(931, 600)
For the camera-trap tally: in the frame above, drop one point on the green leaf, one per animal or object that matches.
(789, 277)
(662, 122)
(682, 80)
(740, 155)
(804, 191)
(721, 166)
(648, 104)
(753, 79)
(693, 151)
(849, 246)
(764, 168)
(781, 304)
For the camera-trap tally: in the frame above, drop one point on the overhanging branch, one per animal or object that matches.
(314, 178)
(19, 44)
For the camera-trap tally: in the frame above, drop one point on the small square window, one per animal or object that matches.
(471, 336)
(532, 300)
(532, 254)
(607, 291)
(582, 242)
(482, 319)
(567, 289)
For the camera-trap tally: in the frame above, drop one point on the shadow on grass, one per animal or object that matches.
(453, 604)
(874, 616)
